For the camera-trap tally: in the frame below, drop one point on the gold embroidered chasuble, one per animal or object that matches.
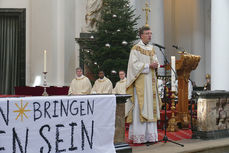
(144, 83)
(120, 87)
(102, 86)
(80, 85)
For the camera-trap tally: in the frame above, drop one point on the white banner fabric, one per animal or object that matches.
(58, 124)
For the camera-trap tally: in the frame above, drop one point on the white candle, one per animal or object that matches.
(45, 62)
(173, 78)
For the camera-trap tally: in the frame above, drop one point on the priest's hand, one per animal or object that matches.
(153, 65)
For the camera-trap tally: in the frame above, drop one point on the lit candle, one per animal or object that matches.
(45, 62)
(173, 65)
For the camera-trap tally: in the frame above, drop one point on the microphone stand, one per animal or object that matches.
(165, 138)
(167, 62)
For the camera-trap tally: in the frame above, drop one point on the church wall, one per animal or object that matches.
(43, 36)
(70, 46)
(187, 25)
(67, 23)
(54, 24)
(51, 25)
(155, 21)
(74, 20)
(21, 4)
(80, 11)
(207, 25)
(169, 34)
(138, 6)
(198, 41)
(183, 23)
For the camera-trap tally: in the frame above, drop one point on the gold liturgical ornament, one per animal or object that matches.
(184, 66)
(147, 10)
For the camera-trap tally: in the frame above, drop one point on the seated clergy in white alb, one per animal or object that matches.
(120, 87)
(102, 85)
(80, 85)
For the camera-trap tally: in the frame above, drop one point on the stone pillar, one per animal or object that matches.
(207, 33)
(156, 23)
(219, 45)
(132, 3)
(43, 35)
(198, 41)
(80, 11)
(60, 42)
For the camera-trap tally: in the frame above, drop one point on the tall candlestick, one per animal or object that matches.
(45, 62)
(173, 65)
(45, 84)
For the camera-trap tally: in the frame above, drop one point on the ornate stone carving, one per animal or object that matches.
(93, 14)
(221, 112)
(212, 114)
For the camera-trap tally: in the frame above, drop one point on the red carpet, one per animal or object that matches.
(175, 136)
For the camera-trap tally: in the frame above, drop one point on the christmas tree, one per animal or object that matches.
(110, 44)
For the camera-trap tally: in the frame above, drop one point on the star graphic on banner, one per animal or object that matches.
(21, 110)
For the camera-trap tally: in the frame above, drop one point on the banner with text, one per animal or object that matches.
(58, 124)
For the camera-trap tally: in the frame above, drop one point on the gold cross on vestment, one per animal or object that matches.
(147, 10)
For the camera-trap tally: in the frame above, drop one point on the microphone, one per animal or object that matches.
(179, 48)
(159, 46)
(174, 46)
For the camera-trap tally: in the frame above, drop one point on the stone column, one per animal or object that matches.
(60, 42)
(219, 45)
(80, 23)
(156, 23)
(198, 41)
(132, 3)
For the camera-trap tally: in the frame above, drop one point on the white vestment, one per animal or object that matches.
(102, 86)
(80, 85)
(120, 87)
(141, 132)
(142, 111)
